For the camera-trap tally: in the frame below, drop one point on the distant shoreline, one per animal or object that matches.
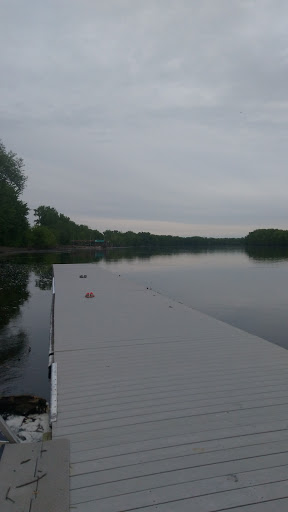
(69, 248)
(24, 250)
(63, 248)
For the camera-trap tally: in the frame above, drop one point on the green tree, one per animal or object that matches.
(42, 238)
(13, 211)
(12, 170)
(46, 216)
(64, 229)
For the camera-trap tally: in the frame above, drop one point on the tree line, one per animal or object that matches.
(52, 228)
(268, 237)
(58, 229)
(145, 239)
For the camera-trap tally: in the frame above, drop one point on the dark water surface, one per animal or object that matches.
(246, 288)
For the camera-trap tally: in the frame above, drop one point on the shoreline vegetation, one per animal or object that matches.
(261, 238)
(55, 231)
(74, 248)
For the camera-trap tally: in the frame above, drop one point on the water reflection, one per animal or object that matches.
(19, 278)
(14, 351)
(272, 254)
(242, 286)
(14, 344)
(43, 276)
(13, 290)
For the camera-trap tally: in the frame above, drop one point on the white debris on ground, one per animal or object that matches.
(29, 429)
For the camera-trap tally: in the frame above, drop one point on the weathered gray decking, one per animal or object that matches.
(34, 477)
(166, 408)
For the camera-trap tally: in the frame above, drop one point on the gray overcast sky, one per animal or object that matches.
(168, 116)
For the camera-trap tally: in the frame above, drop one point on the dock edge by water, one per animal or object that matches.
(166, 409)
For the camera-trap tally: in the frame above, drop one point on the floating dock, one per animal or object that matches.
(166, 408)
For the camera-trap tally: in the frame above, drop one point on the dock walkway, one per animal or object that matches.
(166, 409)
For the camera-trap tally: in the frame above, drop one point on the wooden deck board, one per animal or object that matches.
(139, 469)
(181, 491)
(166, 408)
(92, 465)
(154, 392)
(53, 496)
(121, 445)
(117, 411)
(170, 478)
(17, 467)
(199, 440)
(34, 477)
(279, 505)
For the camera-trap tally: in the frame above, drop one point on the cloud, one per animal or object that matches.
(155, 113)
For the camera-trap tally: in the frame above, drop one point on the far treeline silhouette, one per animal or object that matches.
(52, 229)
(66, 232)
(268, 237)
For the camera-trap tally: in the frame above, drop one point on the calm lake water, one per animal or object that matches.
(247, 289)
